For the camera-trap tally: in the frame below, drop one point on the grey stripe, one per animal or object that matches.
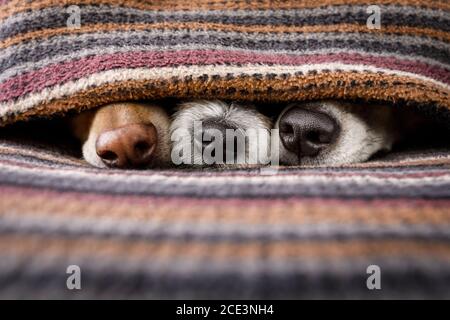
(262, 278)
(285, 175)
(278, 13)
(392, 15)
(217, 232)
(184, 265)
(39, 160)
(146, 35)
(406, 45)
(187, 186)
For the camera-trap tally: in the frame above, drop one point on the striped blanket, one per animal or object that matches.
(325, 232)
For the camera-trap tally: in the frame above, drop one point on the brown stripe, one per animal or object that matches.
(30, 245)
(17, 6)
(48, 204)
(345, 27)
(325, 85)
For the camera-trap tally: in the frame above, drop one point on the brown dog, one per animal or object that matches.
(124, 135)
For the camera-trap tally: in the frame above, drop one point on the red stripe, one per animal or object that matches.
(64, 72)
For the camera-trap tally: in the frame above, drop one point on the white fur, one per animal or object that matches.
(90, 154)
(241, 117)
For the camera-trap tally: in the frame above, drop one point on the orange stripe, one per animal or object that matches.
(30, 245)
(17, 6)
(345, 27)
(59, 205)
(389, 88)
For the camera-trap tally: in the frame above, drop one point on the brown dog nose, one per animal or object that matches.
(307, 132)
(130, 146)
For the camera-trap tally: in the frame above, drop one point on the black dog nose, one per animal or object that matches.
(307, 132)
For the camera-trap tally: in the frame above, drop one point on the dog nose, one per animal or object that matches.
(130, 146)
(307, 132)
(208, 131)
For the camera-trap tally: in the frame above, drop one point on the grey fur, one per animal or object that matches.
(235, 115)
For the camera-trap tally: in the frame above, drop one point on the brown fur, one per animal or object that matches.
(87, 126)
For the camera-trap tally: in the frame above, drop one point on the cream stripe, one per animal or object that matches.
(57, 92)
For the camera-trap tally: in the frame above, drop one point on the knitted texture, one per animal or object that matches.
(243, 50)
(221, 234)
(230, 234)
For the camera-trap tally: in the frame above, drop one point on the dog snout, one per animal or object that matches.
(209, 130)
(307, 132)
(130, 146)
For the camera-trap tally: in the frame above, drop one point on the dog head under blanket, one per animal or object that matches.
(124, 135)
(334, 132)
(220, 133)
(130, 135)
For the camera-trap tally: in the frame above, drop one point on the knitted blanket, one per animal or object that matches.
(375, 230)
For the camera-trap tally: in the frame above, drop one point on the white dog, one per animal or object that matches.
(219, 133)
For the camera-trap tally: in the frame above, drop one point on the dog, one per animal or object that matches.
(124, 135)
(335, 133)
(216, 133)
(330, 132)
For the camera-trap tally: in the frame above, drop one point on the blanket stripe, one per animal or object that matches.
(316, 241)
